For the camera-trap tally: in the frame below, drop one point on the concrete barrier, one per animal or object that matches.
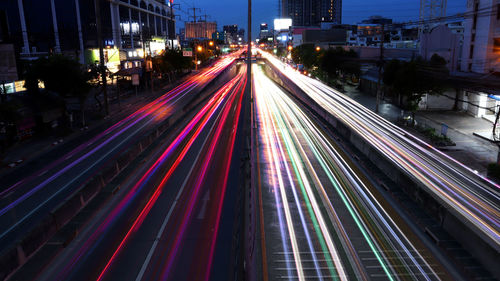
(36, 237)
(67, 210)
(479, 246)
(90, 189)
(9, 261)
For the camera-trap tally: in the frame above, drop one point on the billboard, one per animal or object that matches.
(282, 24)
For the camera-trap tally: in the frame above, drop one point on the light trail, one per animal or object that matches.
(473, 197)
(124, 130)
(194, 194)
(191, 130)
(305, 144)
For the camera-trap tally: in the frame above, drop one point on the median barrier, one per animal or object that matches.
(64, 212)
(123, 160)
(36, 237)
(9, 261)
(90, 189)
(109, 173)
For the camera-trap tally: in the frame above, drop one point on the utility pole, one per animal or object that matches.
(205, 16)
(102, 64)
(249, 49)
(381, 63)
(194, 12)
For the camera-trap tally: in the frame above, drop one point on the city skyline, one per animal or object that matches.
(351, 11)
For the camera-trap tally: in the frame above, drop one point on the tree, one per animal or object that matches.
(280, 52)
(411, 80)
(62, 75)
(305, 54)
(339, 61)
(171, 62)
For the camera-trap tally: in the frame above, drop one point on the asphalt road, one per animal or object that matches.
(29, 200)
(474, 199)
(321, 218)
(175, 215)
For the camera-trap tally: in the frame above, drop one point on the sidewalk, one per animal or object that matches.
(470, 150)
(22, 153)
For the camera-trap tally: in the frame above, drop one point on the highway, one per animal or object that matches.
(176, 211)
(322, 220)
(474, 198)
(29, 200)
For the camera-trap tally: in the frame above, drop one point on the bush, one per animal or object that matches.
(494, 171)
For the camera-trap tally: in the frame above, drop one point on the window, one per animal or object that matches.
(496, 45)
(498, 11)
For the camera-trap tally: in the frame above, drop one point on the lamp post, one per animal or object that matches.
(197, 49)
(249, 48)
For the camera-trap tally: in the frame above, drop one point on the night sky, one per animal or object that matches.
(235, 11)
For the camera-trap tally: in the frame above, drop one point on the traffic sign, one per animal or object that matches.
(187, 52)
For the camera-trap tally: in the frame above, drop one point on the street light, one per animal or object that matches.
(318, 48)
(198, 49)
(211, 43)
(290, 48)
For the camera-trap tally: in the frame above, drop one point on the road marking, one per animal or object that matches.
(43, 173)
(164, 224)
(86, 170)
(206, 198)
(261, 208)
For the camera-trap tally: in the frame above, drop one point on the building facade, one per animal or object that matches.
(481, 49)
(130, 28)
(331, 11)
(312, 12)
(231, 33)
(441, 40)
(200, 29)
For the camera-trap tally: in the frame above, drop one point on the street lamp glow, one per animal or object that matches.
(318, 48)
(199, 48)
(211, 43)
(290, 48)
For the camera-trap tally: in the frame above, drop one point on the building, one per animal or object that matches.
(241, 36)
(312, 12)
(200, 29)
(130, 29)
(331, 11)
(325, 38)
(443, 41)
(231, 33)
(218, 36)
(264, 32)
(481, 49)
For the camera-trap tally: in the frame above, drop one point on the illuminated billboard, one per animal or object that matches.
(282, 24)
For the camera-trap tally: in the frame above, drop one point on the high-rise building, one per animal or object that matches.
(231, 33)
(331, 11)
(481, 47)
(312, 12)
(264, 31)
(39, 27)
